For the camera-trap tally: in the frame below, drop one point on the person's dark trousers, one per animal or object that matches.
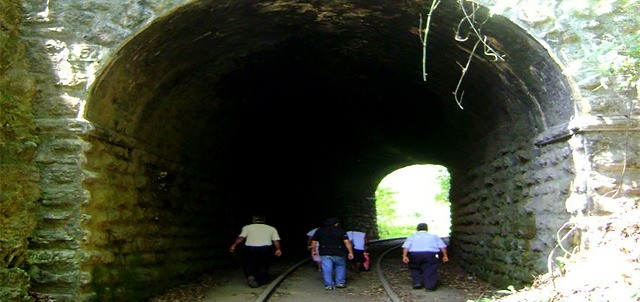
(257, 260)
(424, 269)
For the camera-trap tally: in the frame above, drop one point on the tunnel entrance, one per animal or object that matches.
(222, 109)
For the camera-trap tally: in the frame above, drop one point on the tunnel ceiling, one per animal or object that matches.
(325, 91)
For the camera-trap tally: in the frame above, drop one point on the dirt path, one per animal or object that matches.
(305, 285)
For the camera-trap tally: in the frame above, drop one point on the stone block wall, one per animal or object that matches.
(148, 223)
(54, 251)
(512, 207)
(592, 40)
(44, 89)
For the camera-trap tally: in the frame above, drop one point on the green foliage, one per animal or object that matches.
(501, 293)
(482, 300)
(14, 285)
(387, 216)
(386, 212)
(510, 290)
(562, 261)
(391, 224)
(619, 56)
(444, 179)
(504, 292)
(385, 202)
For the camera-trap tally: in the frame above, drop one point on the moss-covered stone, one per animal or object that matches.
(19, 281)
(19, 187)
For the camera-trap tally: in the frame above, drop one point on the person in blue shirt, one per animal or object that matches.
(421, 251)
(359, 242)
(316, 258)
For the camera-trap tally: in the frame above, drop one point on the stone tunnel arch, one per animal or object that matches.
(216, 110)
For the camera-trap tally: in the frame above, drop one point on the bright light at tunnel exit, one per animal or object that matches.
(417, 188)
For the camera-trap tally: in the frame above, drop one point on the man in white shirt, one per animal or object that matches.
(260, 239)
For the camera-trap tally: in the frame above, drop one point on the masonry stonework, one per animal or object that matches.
(96, 213)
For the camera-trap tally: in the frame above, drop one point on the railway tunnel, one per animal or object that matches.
(297, 110)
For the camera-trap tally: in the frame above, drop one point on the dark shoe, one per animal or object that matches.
(328, 287)
(252, 282)
(342, 285)
(417, 286)
(430, 289)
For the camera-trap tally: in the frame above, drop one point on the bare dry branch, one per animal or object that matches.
(434, 4)
(488, 50)
(474, 29)
(457, 32)
(464, 71)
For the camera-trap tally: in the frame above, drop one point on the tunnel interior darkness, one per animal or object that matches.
(298, 110)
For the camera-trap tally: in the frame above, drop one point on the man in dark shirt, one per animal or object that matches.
(334, 248)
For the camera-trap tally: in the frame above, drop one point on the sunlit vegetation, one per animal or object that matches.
(397, 219)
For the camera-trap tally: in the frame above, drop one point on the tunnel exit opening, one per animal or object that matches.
(411, 195)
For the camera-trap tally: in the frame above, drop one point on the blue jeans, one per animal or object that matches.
(331, 262)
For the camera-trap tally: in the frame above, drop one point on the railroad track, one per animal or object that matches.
(299, 281)
(294, 283)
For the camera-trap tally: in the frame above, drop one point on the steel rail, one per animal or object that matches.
(385, 284)
(266, 293)
(271, 288)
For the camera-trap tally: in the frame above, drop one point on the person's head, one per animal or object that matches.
(422, 227)
(331, 221)
(258, 218)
